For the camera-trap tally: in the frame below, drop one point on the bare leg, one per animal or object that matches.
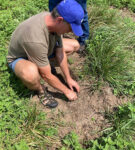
(70, 45)
(28, 73)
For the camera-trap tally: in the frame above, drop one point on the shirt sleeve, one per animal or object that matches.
(37, 53)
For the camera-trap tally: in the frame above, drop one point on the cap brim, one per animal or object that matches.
(77, 29)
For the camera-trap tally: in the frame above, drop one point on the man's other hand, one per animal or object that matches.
(73, 84)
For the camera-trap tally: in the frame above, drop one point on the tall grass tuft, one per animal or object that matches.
(100, 16)
(110, 50)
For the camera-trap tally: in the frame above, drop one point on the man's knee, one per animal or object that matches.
(70, 45)
(30, 74)
(76, 46)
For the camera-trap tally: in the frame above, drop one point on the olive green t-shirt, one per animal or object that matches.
(32, 40)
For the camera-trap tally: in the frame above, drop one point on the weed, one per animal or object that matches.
(101, 16)
(71, 141)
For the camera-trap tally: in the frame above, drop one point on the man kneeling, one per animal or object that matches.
(38, 39)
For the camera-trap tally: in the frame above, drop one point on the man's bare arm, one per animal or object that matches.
(62, 60)
(52, 80)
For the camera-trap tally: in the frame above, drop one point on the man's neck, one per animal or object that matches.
(49, 21)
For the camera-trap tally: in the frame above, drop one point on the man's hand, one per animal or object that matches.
(73, 84)
(71, 95)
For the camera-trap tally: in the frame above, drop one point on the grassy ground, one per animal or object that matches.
(110, 59)
(21, 126)
(130, 4)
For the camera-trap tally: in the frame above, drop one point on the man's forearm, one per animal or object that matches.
(64, 65)
(56, 83)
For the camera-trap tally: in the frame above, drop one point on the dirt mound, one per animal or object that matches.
(84, 116)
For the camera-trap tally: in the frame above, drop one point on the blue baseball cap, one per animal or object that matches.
(73, 13)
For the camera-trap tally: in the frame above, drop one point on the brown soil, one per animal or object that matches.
(84, 116)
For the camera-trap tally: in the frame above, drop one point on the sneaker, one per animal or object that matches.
(47, 99)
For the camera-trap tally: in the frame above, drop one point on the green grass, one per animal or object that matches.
(129, 4)
(111, 50)
(21, 125)
(70, 141)
(110, 59)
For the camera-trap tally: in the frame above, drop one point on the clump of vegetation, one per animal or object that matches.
(111, 50)
(110, 59)
(121, 135)
(100, 16)
(70, 141)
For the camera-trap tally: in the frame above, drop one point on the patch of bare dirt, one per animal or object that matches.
(84, 116)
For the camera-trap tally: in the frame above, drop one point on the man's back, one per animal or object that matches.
(32, 40)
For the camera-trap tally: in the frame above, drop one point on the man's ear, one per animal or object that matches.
(59, 19)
